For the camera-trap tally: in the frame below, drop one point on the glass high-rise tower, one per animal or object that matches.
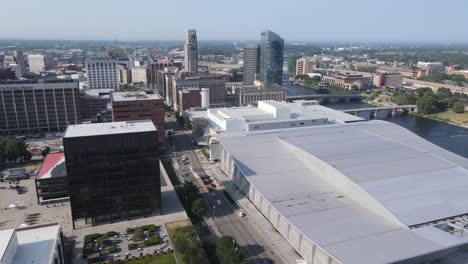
(191, 51)
(271, 58)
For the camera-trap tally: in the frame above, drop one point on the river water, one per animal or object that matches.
(450, 137)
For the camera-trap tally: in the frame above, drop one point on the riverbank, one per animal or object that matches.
(449, 117)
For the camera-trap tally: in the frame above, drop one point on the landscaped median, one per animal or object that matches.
(103, 247)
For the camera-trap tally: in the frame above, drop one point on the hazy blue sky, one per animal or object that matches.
(308, 20)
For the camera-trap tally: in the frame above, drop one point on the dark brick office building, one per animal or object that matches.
(113, 171)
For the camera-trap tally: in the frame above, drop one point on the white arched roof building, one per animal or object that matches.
(366, 192)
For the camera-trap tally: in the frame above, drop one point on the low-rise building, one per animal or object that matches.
(347, 80)
(251, 94)
(51, 180)
(452, 71)
(388, 80)
(41, 244)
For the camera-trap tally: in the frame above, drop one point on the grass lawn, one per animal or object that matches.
(451, 117)
(161, 259)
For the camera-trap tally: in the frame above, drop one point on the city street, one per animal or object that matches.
(226, 218)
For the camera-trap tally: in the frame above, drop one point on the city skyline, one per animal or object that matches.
(303, 21)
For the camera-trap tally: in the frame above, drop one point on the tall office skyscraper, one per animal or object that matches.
(191, 51)
(251, 63)
(271, 58)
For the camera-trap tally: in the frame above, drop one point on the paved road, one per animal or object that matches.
(228, 222)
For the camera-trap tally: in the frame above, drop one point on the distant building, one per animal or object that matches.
(130, 106)
(38, 106)
(215, 83)
(191, 51)
(102, 74)
(51, 181)
(366, 67)
(452, 71)
(39, 63)
(113, 171)
(20, 60)
(95, 104)
(7, 74)
(251, 64)
(139, 75)
(271, 58)
(189, 99)
(347, 80)
(35, 244)
(305, 65)
(125, 76)
(153, 69)
(388, 80)
(251, 94)
(161, 80)
(435, 66)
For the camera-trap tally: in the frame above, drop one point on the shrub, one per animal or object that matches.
(91, 237)
(130, 230)
(152, 241)
(138, 234)
(111, 233)
(458, 108)
(149, 228)
(132, 246)
(87, 252)
(112, 249)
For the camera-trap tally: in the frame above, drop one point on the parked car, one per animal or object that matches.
(218, 202)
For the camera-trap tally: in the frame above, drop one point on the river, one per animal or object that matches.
(450, 137)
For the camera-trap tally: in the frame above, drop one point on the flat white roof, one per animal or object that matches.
(5, 236)
(99, 129)
(359, 190)
(35, 245)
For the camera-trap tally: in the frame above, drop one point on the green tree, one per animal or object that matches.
(45, 151)
(351, 67)
(233, 257)
(404, 99)
(198, 207)
(138, 235)
(196, 255)
(443, 93)
(426, 105)
(424, 91)
(225, 243)
(458, 108)
(17, 149)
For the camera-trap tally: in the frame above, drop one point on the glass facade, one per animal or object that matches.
(271, 58)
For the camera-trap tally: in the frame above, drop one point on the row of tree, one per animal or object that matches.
(460, 80)
(192, 201)
(429, 102)
(14, 150)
